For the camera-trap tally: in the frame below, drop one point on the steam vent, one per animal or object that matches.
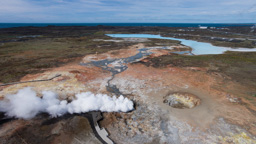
(182, 100)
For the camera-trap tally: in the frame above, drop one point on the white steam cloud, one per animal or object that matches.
(25, 104)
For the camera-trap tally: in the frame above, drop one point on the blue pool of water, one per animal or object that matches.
(198, 48)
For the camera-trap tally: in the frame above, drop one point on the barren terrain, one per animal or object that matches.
(178, 98)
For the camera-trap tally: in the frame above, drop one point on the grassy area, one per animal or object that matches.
(161, 42)
(20, 58)
(21, 53)
(54, 47)
(243, 44)
(239, 66)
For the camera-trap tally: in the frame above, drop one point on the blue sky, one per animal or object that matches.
(94, 11)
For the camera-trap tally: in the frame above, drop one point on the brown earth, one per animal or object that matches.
(220, 118)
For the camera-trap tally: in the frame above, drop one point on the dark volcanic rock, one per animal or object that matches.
(44, 130)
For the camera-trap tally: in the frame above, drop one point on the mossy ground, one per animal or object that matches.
(33, 55)
(21, 53)
(241, 66)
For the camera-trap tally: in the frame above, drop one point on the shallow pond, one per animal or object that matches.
(198, 48)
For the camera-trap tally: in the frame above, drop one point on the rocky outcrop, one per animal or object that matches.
(44, 130)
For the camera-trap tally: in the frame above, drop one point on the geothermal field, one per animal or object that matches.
(126, 85)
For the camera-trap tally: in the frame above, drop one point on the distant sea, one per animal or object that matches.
(9, 25)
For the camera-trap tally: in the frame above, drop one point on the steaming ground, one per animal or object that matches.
(25, 104)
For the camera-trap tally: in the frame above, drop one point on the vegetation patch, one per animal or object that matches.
(240, 66)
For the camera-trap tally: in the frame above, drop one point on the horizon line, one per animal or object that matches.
(121, 22)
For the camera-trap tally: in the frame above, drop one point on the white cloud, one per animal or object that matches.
(16, 6)
(107, 10)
